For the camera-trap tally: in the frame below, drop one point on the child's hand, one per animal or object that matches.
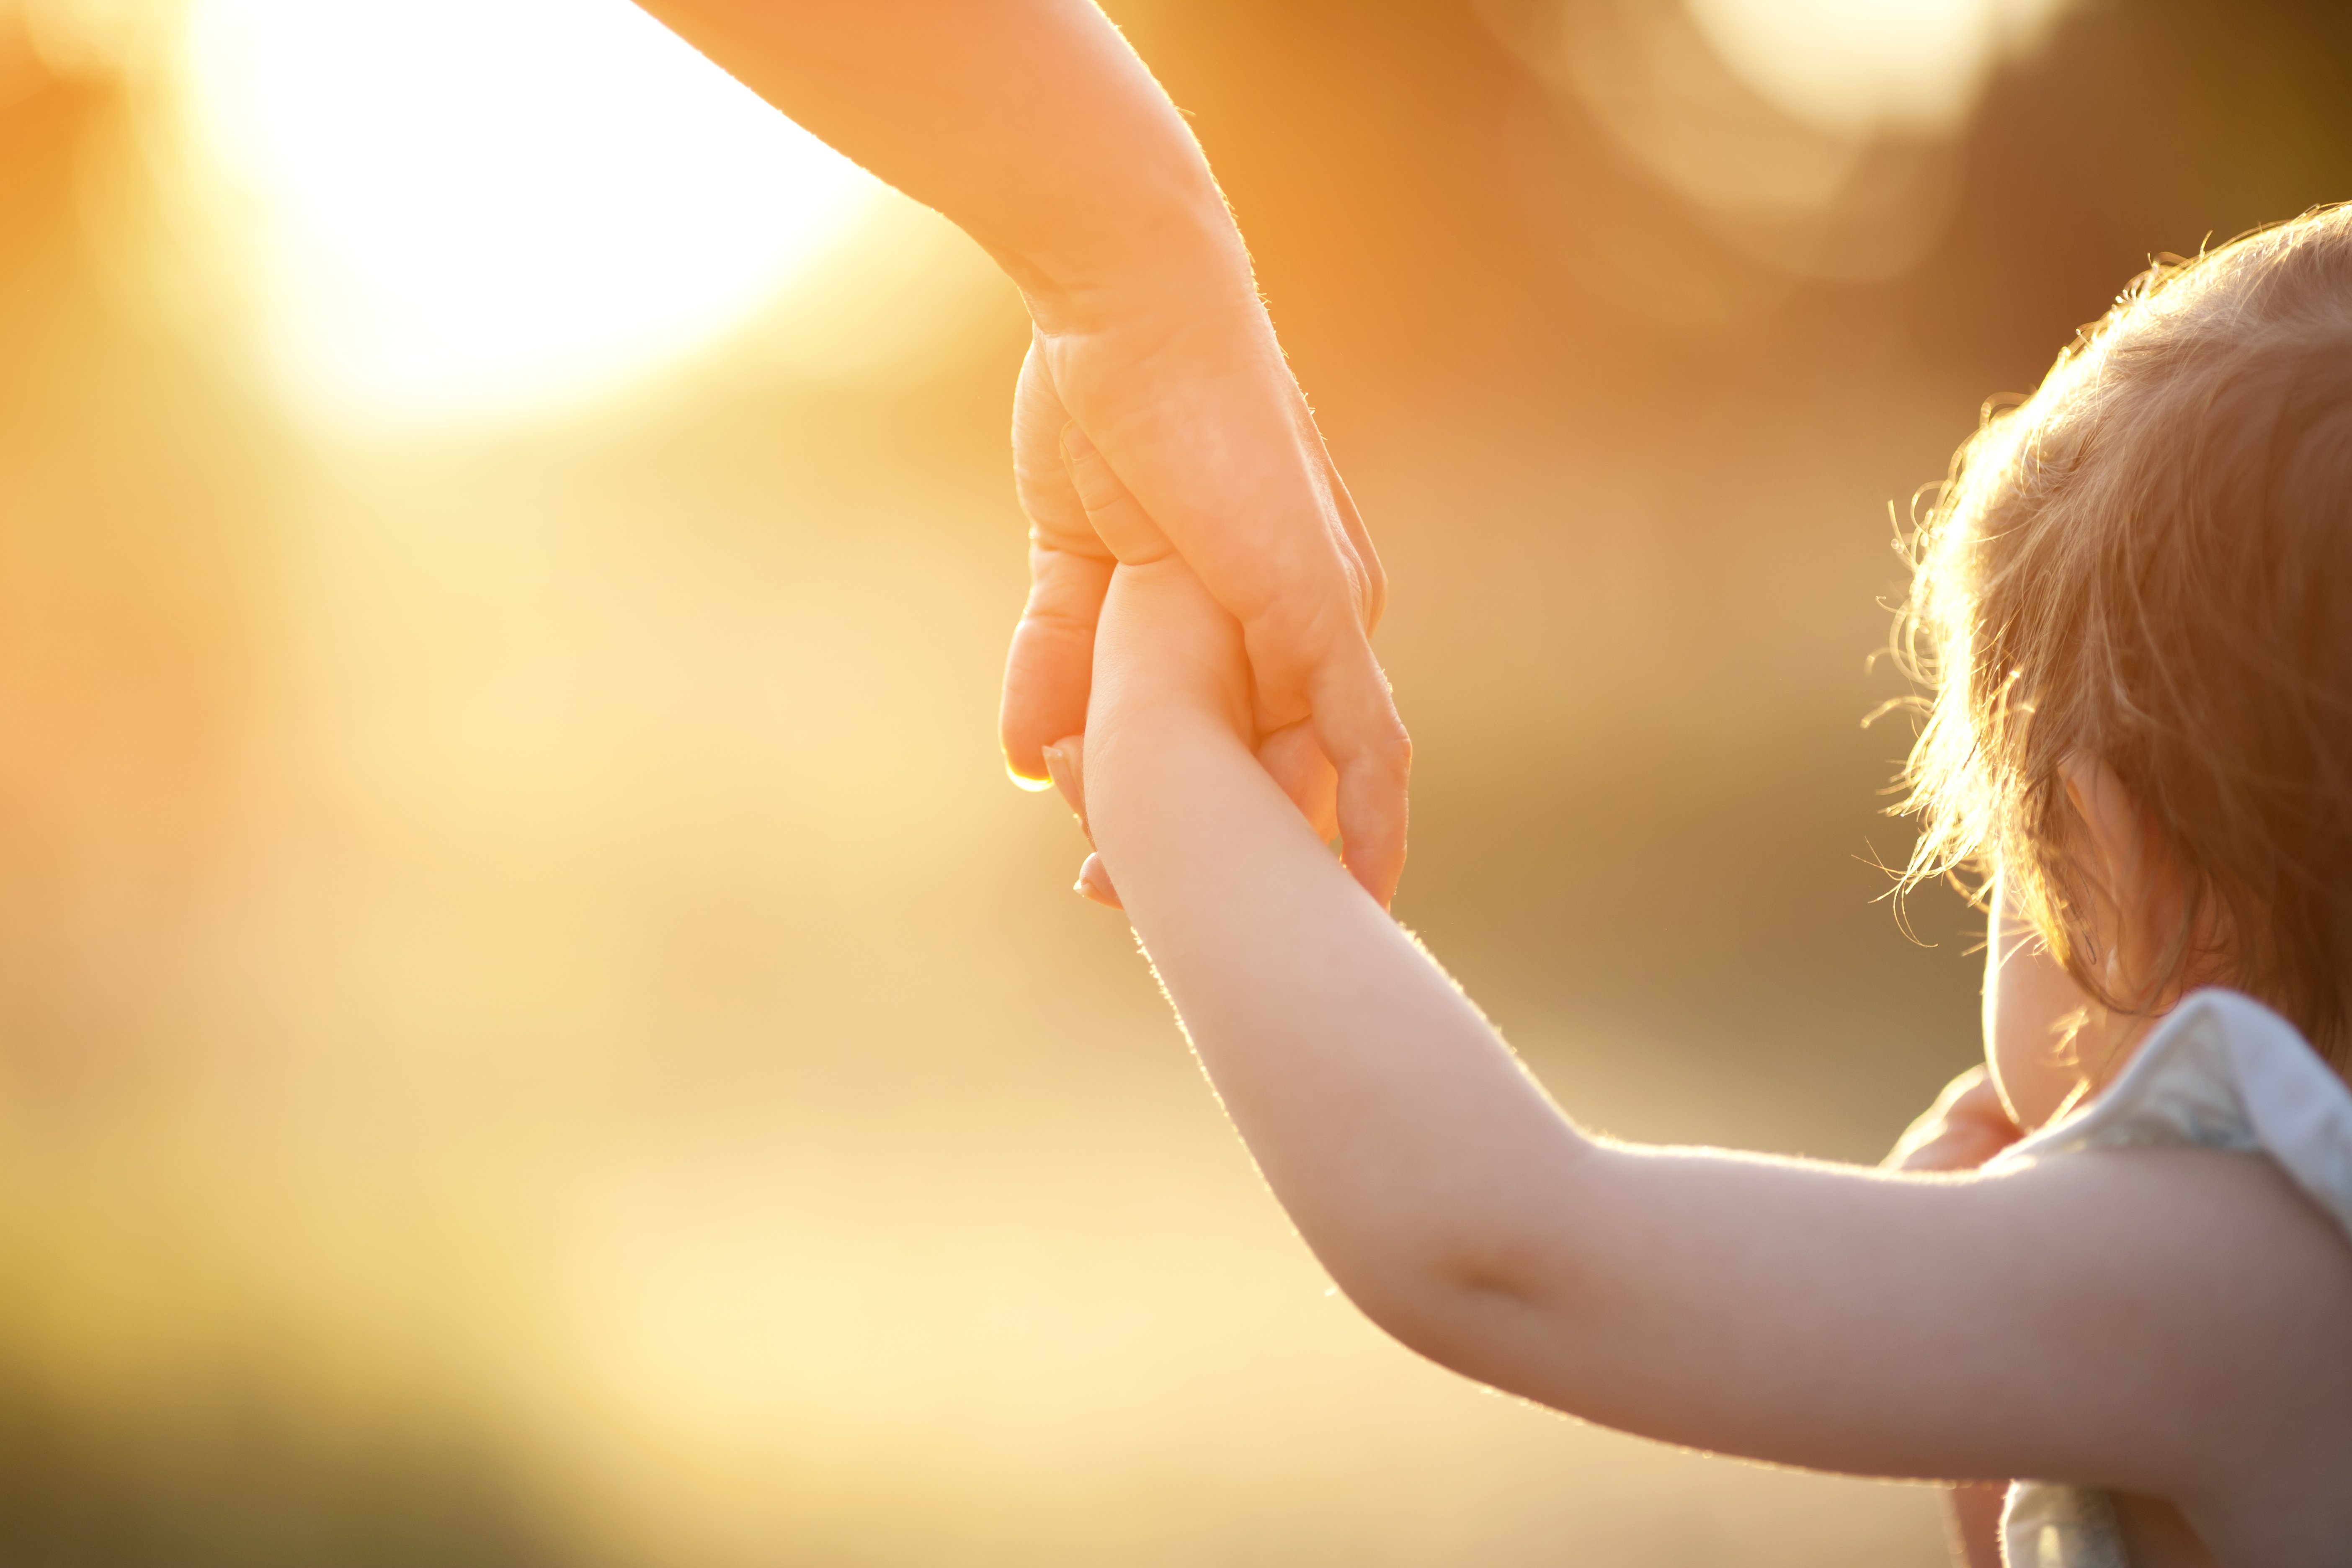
(1967, 1126)
(1167, 653)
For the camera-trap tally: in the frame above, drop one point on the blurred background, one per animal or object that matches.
(532, 1028)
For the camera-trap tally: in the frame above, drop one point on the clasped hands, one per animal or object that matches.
(1186, 449)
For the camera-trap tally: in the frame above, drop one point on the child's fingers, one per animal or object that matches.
(1094, 883)
(1066, 764)
(1967, 1126)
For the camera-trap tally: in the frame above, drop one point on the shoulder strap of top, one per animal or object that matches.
(2223, 1072)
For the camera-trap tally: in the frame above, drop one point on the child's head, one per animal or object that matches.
(2148, 565)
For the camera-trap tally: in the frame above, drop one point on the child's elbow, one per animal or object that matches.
(1456, 1304)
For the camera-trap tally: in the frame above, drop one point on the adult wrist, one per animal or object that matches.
(1154, 257)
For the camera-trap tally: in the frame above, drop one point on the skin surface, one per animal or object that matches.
(2171, 1324)
(1033, 126)
(2030, 1007)
(2049, 1046)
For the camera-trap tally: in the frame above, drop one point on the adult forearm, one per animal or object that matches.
(1030, 123)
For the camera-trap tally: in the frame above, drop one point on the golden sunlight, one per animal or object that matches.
(449, 211)
(1853, 65)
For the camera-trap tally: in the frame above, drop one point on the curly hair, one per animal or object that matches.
(2148, 561)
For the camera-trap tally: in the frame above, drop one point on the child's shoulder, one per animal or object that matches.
(2222, 1071)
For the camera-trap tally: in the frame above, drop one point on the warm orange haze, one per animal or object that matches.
(532, 1028)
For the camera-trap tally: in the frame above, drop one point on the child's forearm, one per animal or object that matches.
(1028, 123)
(1797, 1313)
(1399, 1132)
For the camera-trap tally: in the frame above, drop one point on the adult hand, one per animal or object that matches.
(1118, 530)
(1033, 126)
(1193, 434)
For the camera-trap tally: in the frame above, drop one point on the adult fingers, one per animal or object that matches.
(1359, 790)
(1355, 721)
(1199, 417)
(1350, 711)
(1050, 666)
(1041, 477)
(1206, 433)
(1076, 523)
(1119, 520)
(1296, 763)
(1373, 581)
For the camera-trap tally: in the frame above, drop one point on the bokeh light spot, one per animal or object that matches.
(456, 210)
(1853, 65)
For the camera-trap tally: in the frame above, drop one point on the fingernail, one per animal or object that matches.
(1057, 768)
(1069, 774)
(1022, 780)
(1094, 883)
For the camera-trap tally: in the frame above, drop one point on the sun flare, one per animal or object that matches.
(459, 210)
(1850, 64)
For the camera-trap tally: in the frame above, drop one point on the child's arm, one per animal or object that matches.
(2172, 1323)
(1967, 1125)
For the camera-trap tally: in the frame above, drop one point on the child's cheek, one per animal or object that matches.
(2030, 1001)
(2033, 1081)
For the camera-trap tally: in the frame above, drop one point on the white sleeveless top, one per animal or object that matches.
(2222, 1071)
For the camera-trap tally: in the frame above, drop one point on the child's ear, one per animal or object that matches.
(2134, 901)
